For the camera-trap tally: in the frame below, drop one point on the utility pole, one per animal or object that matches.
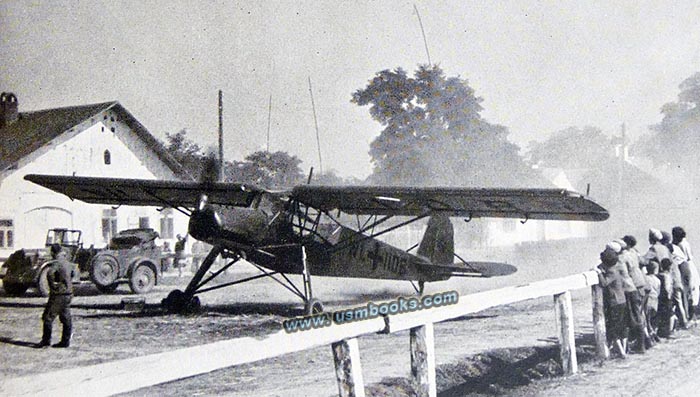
(221, 136)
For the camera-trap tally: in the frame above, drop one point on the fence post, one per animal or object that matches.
(348, 372)
(599, 331)
(565, 323)
(423, 360)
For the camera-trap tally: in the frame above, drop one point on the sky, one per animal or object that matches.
(540, 66)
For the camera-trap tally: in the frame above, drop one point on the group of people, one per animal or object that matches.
(647, 296)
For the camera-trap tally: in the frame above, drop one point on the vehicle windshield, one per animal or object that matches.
(63, 237)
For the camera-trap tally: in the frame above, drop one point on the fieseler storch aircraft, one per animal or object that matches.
(305, 230)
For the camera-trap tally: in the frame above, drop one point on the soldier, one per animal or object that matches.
(60, 277)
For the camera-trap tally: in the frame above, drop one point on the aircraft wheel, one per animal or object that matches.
(421, 287)
(174, 302)
(313, 306)
(14, 289)
(43, 282)
(142, 279)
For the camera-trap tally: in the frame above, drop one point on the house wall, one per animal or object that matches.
(81, 152)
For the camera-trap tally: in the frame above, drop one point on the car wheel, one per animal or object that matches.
(142, 279)
(104, 271)
(42, 283)
(14, 289)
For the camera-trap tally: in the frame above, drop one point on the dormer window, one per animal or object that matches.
(108, 157)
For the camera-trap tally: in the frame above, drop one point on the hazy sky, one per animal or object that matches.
(540, 66)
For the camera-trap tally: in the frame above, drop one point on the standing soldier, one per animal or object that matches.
(179, 254)
(60, 277)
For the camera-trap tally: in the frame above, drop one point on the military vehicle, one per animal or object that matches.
(132, 256)
(27, 268)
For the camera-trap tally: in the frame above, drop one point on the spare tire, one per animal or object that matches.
(104, 272)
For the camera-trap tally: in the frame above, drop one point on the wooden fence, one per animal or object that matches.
(138, 372)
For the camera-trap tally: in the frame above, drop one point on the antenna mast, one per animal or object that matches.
(221, 136)
(425, 41)
(269, 118)
(318, 140)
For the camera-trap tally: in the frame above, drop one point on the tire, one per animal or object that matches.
(104, 271)
(142, 279)
(313, 306)
(42, 282)
(107, 289)
(14, 289)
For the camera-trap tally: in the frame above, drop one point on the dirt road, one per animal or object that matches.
(510, 350)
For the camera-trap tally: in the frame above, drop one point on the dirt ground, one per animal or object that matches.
(509, 350)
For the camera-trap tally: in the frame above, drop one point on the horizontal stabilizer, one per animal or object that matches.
(475, 269)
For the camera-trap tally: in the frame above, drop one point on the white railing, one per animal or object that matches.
(138, 372)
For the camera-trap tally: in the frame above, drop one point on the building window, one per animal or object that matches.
(109, 224)
(144, 222)
(166, 224)
(7, 231)
(108, 157)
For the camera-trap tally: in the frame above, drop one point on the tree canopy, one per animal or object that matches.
(573, 147)
(675, 141)
(434, 134)
(268, 170)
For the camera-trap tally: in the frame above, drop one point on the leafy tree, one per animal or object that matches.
(675, 141)
(434, 135)
(573, 147)
(186, 152)
(267, 169)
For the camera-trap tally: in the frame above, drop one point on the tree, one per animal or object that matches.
(675, 141)
(186, 152)
(434, 135)
(268, 170)
(573, 147)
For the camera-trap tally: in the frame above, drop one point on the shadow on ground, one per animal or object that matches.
(495, 372)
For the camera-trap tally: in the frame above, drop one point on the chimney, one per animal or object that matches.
(8, 109)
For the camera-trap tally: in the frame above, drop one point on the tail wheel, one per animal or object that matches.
(43, 282)
(313, 306)
(104, 271)
(142, 279)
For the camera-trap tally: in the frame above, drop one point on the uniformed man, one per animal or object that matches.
(60, 277)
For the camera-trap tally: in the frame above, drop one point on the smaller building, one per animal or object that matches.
(97, 140)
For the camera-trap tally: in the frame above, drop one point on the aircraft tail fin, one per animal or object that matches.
(438, 241)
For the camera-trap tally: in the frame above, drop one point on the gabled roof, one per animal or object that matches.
(33, 130)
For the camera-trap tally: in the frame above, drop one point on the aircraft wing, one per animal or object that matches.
(142, 192)
(555, 204)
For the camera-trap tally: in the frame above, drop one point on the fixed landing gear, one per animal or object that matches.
(178, 302)
(420, 288)
(313, 306)
(185, 302)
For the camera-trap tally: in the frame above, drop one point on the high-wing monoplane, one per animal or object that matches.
(306, 230)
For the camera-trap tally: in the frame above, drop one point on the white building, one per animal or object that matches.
(100, 140)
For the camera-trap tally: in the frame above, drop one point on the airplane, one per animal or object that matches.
(306, 230)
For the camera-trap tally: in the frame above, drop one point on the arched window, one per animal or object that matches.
(108, 157)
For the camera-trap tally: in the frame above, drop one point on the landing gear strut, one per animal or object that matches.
(186, 302)
(311, 305)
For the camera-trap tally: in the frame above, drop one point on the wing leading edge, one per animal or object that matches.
(554, 204)
(142, 192)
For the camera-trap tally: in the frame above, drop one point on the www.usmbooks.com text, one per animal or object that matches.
(370, 310)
